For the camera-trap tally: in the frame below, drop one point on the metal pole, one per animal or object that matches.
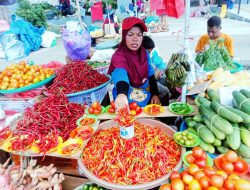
(239, 6)
(186, 43)
(78, 12)
(108, 16)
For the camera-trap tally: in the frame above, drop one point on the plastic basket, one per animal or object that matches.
(150, 122)
(102, 70)
(239, 67)
(89, 96)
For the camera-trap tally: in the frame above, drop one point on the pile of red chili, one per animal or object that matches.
(148, 156)
(52, 115)
(75, 77)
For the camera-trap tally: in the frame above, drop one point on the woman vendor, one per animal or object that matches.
(130, 68)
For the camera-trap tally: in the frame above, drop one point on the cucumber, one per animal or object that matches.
(203, 101)
(245, 136)
(222, 149)
(190, 122)
(213, 95)
(245, 117)
(197, 103)
(246, 159)
(217, 142)
(192, 130)
(204, 133)
(242, 101)
(225, 113)
(245, 93)
(244, 151)
(233, 139)
(246, 125)
(204, 146)
(217, 133)
(211, 149)
(225, 144)
(197, 118)
(217, 121)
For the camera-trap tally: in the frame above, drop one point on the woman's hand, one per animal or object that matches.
(155, 100)
(121, 101)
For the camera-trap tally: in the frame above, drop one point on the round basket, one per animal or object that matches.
(89, 96)
(168, 130)
(102, 70)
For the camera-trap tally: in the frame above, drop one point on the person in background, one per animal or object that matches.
(159, 67)
(130, 68)
(214, 33)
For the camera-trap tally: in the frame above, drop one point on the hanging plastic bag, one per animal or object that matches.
(77, 45)
(14, 49)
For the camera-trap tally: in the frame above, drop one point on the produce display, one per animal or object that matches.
(177, 69)
(23, 74)
(216, 56)
(149, 155)
(75, 77)
(220, 127)
(84, 132)
(32, 177)
(186, 138)
(208, 178)
(181, 108)
(153, 109)
(134, 108)
(96, 108)
(98, 64)
(111, 108)
(71, 146)
(124, 118)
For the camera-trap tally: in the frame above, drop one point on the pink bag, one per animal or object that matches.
(4, 26)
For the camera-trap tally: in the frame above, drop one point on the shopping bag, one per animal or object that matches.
(223, 11)
(175, 8)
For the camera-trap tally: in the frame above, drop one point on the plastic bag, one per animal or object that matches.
(14, 49)
(77, 45)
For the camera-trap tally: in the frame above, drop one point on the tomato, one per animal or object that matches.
(96, 111)
(199, 174)
(138, 109)
(231, 156)
(133, 112)
(187, 178)
(111, 110)
(165, 187)
(95, 105)
(193, 168)
(99, 108)
(229, 185)
(197, 152)
(201, 163)
(112, 104)
(133, 106)
(204, 182)
(238, 166)
(184, 173)
(228, 167)
(217, 180)
(194, 185)
(177, 184)
(209, 171)
(212, 188)
(175, 175)
(190, 159)
(91, 110)
(223, 174)
(204, 156)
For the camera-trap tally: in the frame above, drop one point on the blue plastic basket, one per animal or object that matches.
(184, 127)
(239, 67)
(89, 96)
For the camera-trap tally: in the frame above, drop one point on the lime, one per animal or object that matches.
(95, 188)
(184, 133)
(178, 137)
(187, 143)
(184, 138)
(190, 137)
(181, 141)
(85, 187)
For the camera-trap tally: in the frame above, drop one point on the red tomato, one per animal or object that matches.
(197, 152)
(99, 108)
(229, 185)
(238, 166)
(111, 110)
(175, 175)
(217, 180)
(184, 173)
(204, 182)
(91, 110)
(165, 187)
(177, 184)
(95, 105)
(231, 156)
(193, 168)
(201, 163)
(209, 171)
(96, 111)
(227, 167)
(138, 109)
(204, 156)
(133, 106)
(199, 174)
(112, 104)
(190, 159)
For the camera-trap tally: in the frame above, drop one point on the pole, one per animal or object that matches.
(186, 43)
(239, 6)
(78, 12)
(108, 16)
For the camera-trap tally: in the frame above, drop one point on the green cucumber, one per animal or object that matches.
(204, 133)
(197, 118)
(196, 101)
(217, 142)
(203, 101)
(233, 139)
(245, 93)
(211, 149)
(213, 95)
(246, 159)
(190, 122)
(225, 113)
(246, 125)
(222, 149)
(245, 117)
(204, 146)
(245, 136)
(242, 101)
(244, 151)
(217, 133)
(192, 130)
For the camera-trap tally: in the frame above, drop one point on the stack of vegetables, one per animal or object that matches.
(148, 156)
(222, 127)
(75, 77)
(216, 56)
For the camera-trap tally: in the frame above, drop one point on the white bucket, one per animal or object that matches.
(127, 132)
